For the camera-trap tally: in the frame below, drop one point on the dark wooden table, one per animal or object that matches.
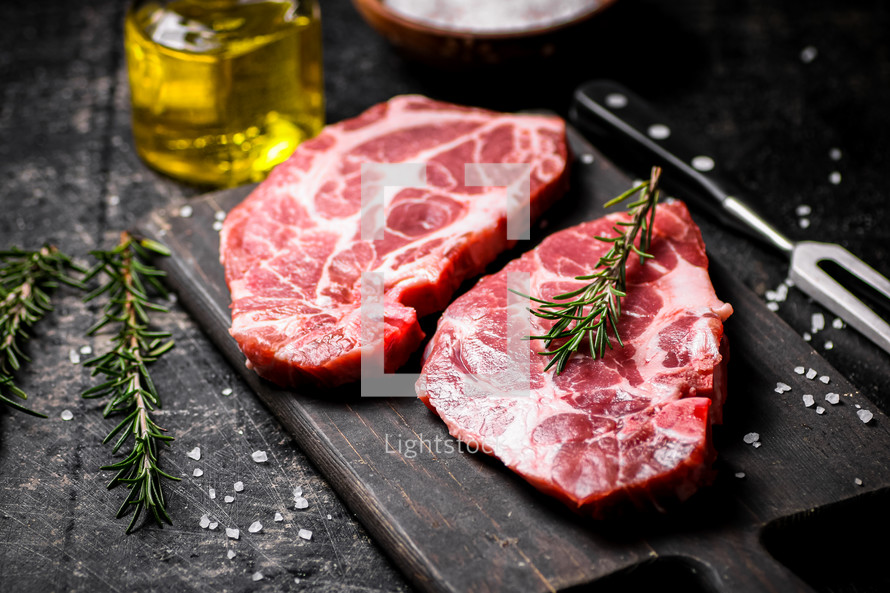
(773, 88)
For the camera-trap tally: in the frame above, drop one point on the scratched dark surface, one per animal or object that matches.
(732, 71)
(455, 522)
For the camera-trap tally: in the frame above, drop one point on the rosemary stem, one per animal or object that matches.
(141, 425)
(595, 307)
(127, 382)
(15, 300)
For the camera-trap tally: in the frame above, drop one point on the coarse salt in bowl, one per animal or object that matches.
(468, 33)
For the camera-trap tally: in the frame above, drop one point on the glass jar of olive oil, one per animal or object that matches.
(223, 90)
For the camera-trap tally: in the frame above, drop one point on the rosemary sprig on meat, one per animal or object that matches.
(127, 383)
(587, 314)
(27, 279)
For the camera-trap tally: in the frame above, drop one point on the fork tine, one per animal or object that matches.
(805, 272)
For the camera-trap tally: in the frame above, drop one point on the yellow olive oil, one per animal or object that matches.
(223, 90)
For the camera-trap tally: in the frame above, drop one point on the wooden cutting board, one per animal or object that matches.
(460, 522)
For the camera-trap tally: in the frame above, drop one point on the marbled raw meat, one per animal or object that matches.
(633, 428)
(293, 252)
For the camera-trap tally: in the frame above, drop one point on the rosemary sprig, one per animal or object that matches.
(127, 383)
(586, 314)
(27, 279)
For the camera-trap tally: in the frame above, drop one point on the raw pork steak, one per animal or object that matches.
(633, 427)
(293, 252)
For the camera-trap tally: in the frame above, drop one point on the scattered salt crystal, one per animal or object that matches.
(257, 576)
(298, 491)
(820, 410)
(751, 437)
(782, 387)
(817, 322)
(302, 503)
(837, 323)
(811, 374)
(198, 472)
(781, 292)
(232, 533)
(213, 525)
(217, 225)
(329, 517)
(114, 200)
(799, 370)
(788, 282)
(186, 211)
(825, 379)
(803, 210)
(808, 400)
(219, 215)
(832, 398)
(305, 534)
(66, 415)
(230, 554)
(829, 345)
(808, 54)
(865, 416)
(835, 154)
(834, 178)
(73, 356)
(255, 527)
(772, 306)
(587, 158)
(858, 482)
(804, 223)
(740, 475)
(86, 350)
(770, 295)
(756, 445)
(239, 486)
(229, 499)
(259, 456)
(858, 406)
(227, 391)
(194, 454)
(806, 336)
(205, 521)
(212, 494)
(278, 517)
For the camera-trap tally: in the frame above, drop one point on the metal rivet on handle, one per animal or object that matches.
(658, 131)
(703, 163)
(616, 100)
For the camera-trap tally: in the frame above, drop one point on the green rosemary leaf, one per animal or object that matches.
(154, 247)
(15, 405)
(156, 352)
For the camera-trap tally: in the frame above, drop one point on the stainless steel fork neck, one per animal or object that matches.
(756, 223)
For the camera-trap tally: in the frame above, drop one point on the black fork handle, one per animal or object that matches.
(610, 112)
